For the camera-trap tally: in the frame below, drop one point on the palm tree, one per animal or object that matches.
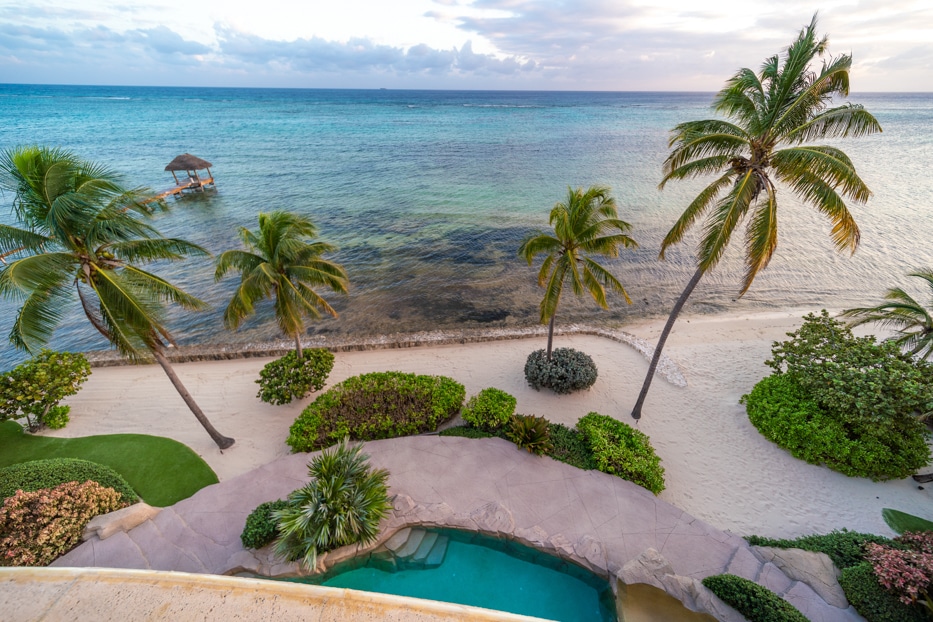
(774, 113)
(586, 224)
(81, 232)
(912, 321)
(281, 262)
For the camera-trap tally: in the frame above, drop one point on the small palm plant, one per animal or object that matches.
(586, 224)
(342, 504)
(912, 321)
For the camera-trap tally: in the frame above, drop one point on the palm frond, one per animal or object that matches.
(728, 212)
(761, 238)
(839, 122)
(826, 163)
(695, 210)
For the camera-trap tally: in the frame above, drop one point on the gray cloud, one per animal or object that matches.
(166, 41)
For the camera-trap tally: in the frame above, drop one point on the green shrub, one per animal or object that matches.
(872, 601)
(375, 406)
(39, 474)
(490, 409)
(569, 445)
(466, 431)
(39, 526)
(287, 378)
(33, 389)
(845, 548)
(566, 372)
(531, 433)
(621, 450)
(342, 504)
(261, 528)
(756, 603)
(869, 399)
(783, 411)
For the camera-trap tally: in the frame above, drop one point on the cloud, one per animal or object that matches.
(166, 41)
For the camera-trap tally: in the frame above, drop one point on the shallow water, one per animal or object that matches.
(429, 193)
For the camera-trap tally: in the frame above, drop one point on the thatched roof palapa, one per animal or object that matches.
(187, 162)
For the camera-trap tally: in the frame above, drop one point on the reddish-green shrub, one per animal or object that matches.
(37, 527)
(908, 574)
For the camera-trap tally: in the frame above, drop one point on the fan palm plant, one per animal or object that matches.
(586, 224)
(82, 235)
(281, 262)
(774, 114)
(912, 321)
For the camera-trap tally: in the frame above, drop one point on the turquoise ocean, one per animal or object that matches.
(428, 195)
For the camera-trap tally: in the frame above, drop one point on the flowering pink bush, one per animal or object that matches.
(37, 527)
(908, 574)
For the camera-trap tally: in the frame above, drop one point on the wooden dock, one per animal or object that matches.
(188, 185)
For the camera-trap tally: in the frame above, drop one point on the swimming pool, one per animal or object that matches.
(472, 569)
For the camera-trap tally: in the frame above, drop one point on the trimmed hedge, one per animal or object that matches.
(261, 528)
(783, 411)
(466, 431)
(756, 603)
(872, 601)
(41, 474)
(622, 450)
(374, 406)
(490, 409)
(569, 445)
(566, 372)
(286, 379)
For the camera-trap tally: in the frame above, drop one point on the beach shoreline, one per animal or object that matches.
(718, 467)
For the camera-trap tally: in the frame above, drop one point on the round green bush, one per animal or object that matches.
(756, 603)
(872, 601)
(41, 474)
(785, 413)
(286, 379)
(489, 409)
(622, 450)
(566, 372)
(374, 406)
(261, 528)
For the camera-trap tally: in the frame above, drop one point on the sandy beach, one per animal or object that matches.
(718, 467)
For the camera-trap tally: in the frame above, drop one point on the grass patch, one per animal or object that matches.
(161, 470)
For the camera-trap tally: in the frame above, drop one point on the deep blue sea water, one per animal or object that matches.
(428, 194)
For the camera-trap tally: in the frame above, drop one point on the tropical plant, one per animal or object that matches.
(290, 377)
(531, 433)
(912, 321)
(900, 522)
(283, 263)
(33, 390)
(586, 224)
(908, 574)
(489, 409)
(773, 115)
(81, 232)
(342, 504)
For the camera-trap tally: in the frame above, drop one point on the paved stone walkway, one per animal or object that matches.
(611, 526)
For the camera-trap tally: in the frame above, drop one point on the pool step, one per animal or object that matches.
(436, 557)
(427, 543)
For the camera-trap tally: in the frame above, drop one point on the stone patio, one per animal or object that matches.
(611, 526)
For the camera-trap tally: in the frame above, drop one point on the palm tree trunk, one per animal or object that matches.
(550, 336)
(222, 441)
(298, 346)
(678, 306)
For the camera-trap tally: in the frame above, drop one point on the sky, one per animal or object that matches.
(614, 45)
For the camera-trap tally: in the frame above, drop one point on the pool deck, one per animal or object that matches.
(602, 522)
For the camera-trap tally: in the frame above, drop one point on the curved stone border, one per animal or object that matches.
(667, 368)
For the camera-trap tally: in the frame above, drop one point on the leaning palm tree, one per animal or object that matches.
(773, 113)
(912, 321)
(82, 236)
(586, 224)
(282, 262)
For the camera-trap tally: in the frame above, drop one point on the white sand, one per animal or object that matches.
(718, 467)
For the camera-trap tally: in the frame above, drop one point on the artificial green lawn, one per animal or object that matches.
(161, 470)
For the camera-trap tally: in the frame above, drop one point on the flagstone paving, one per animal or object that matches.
(609, 525)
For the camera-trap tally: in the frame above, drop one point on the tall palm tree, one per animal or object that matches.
(773, 113)
(586, 224)
(912, 321)
(281, 262)
(82, 235)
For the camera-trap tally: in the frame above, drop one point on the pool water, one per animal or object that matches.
(485, 572)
